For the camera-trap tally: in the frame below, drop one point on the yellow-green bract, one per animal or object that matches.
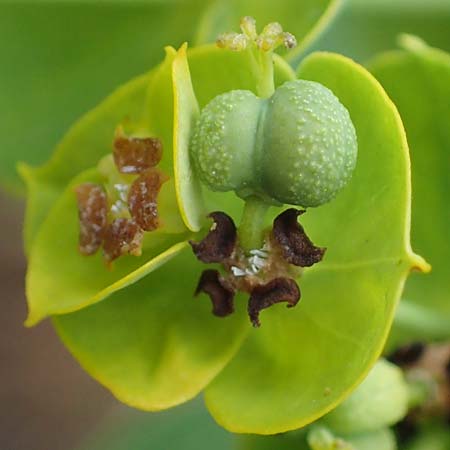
(297, 147)
(139, 331)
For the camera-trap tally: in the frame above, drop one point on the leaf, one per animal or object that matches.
(61, 58)
(306, 20)
(303, 361)
(186, 111)
(418, 80)
(153, 345)
(61, 280)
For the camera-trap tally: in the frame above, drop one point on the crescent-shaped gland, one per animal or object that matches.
(93, 216)
(275, 291)
(219, 290)
(219, 243)
(123, 236)
(142, 199)
(294, 244)
(136, 155)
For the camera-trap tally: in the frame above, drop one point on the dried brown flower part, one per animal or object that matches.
(275, 291)
(123, 236)
(142, 199)
(407, 354)
(219, 243)
(134, 155)
(93, 216)
(219, 290)
(427, 365)
(294, 244)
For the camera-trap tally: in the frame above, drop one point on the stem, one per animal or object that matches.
(265, 86)
(251, 229)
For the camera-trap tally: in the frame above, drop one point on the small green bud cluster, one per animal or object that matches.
(296, 147)
(271, 37)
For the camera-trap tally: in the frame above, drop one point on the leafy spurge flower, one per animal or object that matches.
(137, 329)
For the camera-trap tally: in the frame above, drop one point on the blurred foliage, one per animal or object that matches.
(61, 58)
(187, 427)
(364, 28)
(418, 81)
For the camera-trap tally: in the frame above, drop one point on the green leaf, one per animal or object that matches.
(61, 280)
(306, 20)
(418, 81)
(153, 345)
(61, 58)
(304, 361)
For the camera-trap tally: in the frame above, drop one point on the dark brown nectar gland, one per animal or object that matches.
(267, 274)
(136, 155)
(123, 234)
(93, 216)
(142, 198)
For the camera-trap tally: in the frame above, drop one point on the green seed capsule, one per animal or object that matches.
(297, 147)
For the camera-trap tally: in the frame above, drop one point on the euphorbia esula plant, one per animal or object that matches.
(134, 323)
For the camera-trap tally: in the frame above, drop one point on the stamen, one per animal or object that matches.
(123, 236)
(235, 42)
(92, 212)
(142, 199)
(219, 290)
(220, 242)
(295, 245)
(275, 291)
(136, 155)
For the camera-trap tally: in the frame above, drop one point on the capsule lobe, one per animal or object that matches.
(309, 147)
(223, 142)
